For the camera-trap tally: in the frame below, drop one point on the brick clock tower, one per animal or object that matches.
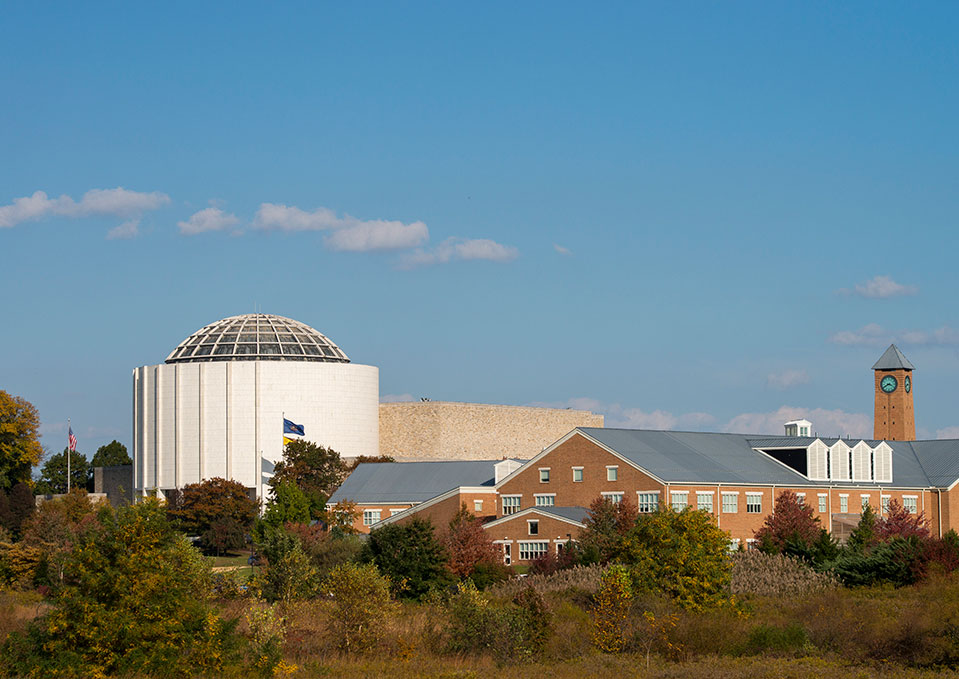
(894, 419)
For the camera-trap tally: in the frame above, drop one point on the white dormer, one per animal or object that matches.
(504, 468)
(798, 428)
(839, 461)
(817, 461)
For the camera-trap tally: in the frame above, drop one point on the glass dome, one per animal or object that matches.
(257, 337)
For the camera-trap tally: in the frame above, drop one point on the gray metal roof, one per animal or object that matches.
(703, 457)
(577, 514)
(412, 481)
(893, 359)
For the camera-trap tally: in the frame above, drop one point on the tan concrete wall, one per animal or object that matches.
(440, 430)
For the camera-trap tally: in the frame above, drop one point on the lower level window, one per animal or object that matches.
(680, 500)
(754, 503)
(911, 504)
(843, 504)
(545, 500)
(371, 516)
(704, 502)
(510, 504)
(530, 551)
(730, 503)
(822, 503)
(885, 503)
(615, 498)
(648, 502)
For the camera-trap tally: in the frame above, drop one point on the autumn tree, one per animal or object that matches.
(56, 527)
(111, 455)
(53, 476)
(791, 524)
(21, 505)
(368, 459)
(468, 545)
(605, 526)
(315, 470)
(899, 522)
(199, 506)
(20, 448)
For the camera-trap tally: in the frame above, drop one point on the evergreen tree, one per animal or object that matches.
(53, 476)
(22, 505)
(864, 537)
(410, 556)
(111, 455)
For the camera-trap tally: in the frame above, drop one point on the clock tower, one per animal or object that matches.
(894, 418)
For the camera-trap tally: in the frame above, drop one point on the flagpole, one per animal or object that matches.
(69, 428)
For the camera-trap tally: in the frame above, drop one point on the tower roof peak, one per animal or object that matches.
(893, 359)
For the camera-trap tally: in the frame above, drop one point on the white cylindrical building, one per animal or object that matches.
(216, 406)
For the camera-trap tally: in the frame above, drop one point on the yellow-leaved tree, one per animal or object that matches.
(20, 448)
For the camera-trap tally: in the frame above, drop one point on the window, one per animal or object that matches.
(864, 499)
(612, 473)
(730, 503)
(371, 516)
(647, 502)
(510, 504)
(477, 505)
(545, 500)
(533, 527)
(754, 503)
(822, 503)
(751, 544)
(680, 500)
(615, 498)
(544, 475)
(704, 501)
(801, 498)
(577, 474)
(734, 545)
(884, 501)
(530, 551)
(911, 503)
(843, 504)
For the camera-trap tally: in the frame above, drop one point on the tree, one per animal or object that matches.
(368, 459)
(288, 504)
(315, 470)
(55, 528)
(135, 603)
(468, 545)
(22, 505)
(682, 554)
(864, 537)
(199, 505)
(111, 455)
(362, 606)
(20, 448)
(53, 476)
(790, 528)
(409, 555)
(605, 527)
(899, 522)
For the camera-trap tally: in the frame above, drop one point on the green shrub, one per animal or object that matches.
(291, 578)
(895, 562)
(410, 556)
(788, 640)
(611, 629)
(362, 606)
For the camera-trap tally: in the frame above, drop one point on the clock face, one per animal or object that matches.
(888, 384)
(908, 384)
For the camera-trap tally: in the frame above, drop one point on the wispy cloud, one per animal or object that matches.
(460, 249)
(874, 334)
(561, 250)
(118, 202)
(880, 287)
(397, 398)
(291, 218)
(208, 219)
(126, 230)
(787, 379)
(616, 415)
(825, 422)
(948, 433)
(378, 235)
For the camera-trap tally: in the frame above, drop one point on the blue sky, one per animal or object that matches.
(693, 216)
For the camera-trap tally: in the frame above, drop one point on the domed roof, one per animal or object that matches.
(257, 337)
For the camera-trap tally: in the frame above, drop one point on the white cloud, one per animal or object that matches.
(461, 249)
(208, 219)
(634, 418)
(787, 379)
(875, 335)
(128, 229)
(378, 235)
(825, 422)
(287, 218)
(880, 287)
(561, 250)
(948, 433)
(118, 202)
(397, 398)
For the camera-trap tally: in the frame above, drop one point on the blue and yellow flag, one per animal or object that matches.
(292, 428)
(287, 439)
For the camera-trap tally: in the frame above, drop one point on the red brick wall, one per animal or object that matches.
(516, 530)
(386, 511)
(443, 511)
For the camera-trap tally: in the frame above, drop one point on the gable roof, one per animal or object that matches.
(574, 515)
(402, 482)
(893, 359)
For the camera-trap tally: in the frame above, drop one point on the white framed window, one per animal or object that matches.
(801, 498)
(612, 473)
(752, 543)
(477, 505)
(530, 551)
(544, 474)
(371, 516)
(647, 502)
(843, 503)
(545, 499)
(911, 503)
(680, 500)
(754, 503)
(532, 526)
(864, 500)
(577, 474)
(823, 498)
(734, 545)
(884, 503)
(511, 504)
(704, 501)
(614, 497)
(731, 504)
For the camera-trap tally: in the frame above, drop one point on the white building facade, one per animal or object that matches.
(215, 408)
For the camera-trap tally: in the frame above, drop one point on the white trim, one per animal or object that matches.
(538, 495)
(531, 510)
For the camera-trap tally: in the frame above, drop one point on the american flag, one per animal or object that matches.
(73, 441)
